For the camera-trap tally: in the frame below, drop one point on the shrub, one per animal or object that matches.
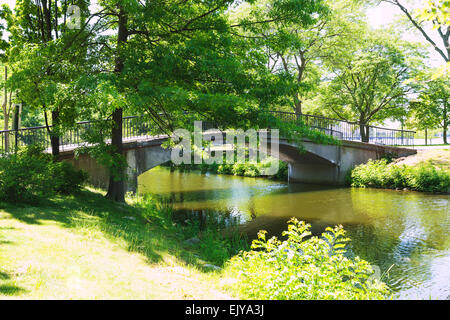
(283, 172)
(239, 169)
(225, 169)
(215, 245)
(429, 179)
(296, 268)
(30, 176)
(424, 177)
(66, 178)
(24, 177)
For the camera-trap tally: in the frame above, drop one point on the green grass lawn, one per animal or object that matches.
(86, 247)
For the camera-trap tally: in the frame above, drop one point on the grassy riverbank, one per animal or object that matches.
(87, 247)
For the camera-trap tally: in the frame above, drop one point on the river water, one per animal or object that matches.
(405, 234)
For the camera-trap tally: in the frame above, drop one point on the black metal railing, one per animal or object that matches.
(351, 131)
(138, 127)
(11, 140)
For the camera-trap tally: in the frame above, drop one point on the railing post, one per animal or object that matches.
(16, 139)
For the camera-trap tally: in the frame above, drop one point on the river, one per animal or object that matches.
(406, 234)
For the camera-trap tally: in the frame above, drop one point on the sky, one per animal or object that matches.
(10, 2)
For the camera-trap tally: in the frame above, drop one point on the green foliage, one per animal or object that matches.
(368, 81)
(296, 131)
(431, 110)
(31, 176)
(437, 12)
(304, 267)
(379, 174)
(66, 179)
(24, 177)
(215, 245)
(247, 169)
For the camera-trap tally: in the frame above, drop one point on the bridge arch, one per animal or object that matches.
(318, 164)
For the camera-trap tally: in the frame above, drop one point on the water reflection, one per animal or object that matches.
(404, 232)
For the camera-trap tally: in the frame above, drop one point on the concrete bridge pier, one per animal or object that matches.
(141, 157)
(326, 174)
(329, 165)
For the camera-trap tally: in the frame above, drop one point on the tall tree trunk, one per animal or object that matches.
(54, 136)
(6, 127)
(445, 135)
(20, 115)
(445, 124)
(364, 129)
(116, 189)
(5, 112)
(297, 105)
(47, 27)
(297, 97)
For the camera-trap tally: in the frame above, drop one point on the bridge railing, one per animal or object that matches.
(350, 131)
(11, 140)
(139, 127)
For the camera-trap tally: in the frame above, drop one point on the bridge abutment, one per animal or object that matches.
(326, 174)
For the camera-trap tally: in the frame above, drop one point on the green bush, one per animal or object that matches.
(429, 179)
(215, 245)
(379, 174)
(24, 176)
(238, 169)
(303, 267)
(225, 169)
(30, 176)
(66, 178)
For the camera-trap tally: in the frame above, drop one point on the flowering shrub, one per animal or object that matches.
(304, 267)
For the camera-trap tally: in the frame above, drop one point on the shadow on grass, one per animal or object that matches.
(91, 210)
(9, 290)
(4, 276)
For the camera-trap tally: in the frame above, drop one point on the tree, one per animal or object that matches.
(436, 12)
(367, 83)
(302, 49)
(45, 55)
(173, 61)
(5, 13)
(7, 106)
(431, 108)
(292, 47)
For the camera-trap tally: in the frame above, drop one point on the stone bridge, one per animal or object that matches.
(318, 164)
